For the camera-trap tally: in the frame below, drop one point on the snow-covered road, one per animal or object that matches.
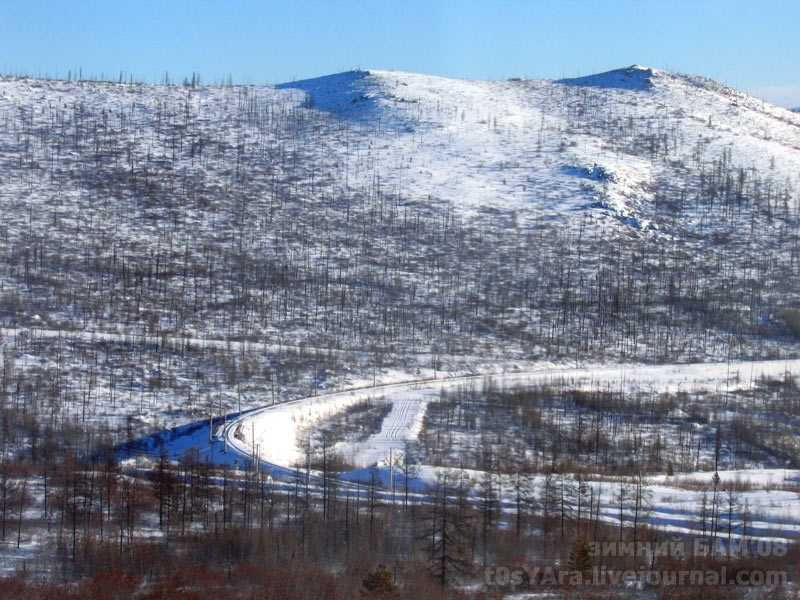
(272, 432)
(403, 423)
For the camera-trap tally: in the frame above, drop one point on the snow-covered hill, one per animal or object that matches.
(611, 141)
(373, 225)
(170, 255)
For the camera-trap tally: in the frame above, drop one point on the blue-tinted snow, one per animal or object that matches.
(635, 78)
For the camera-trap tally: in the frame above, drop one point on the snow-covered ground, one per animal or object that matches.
(385, 218)
(486, 145)
(272, 433)
(401, 424)
(173, 254)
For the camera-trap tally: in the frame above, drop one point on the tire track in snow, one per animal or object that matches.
(399, 420)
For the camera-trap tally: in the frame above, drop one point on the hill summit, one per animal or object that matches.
(634, 77)
(540, 144)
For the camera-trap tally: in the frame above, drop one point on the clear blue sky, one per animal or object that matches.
(753, 45)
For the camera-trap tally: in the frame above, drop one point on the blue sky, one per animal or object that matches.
(752, 45)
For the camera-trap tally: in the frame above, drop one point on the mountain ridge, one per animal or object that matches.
(635, 77)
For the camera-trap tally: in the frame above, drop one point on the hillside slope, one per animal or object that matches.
(620, 136)
(218, 245)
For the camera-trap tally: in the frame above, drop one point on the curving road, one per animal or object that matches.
(271, 433)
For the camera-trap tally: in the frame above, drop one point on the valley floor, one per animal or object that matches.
(273, 434)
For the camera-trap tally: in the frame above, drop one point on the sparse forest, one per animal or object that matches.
(171, 254)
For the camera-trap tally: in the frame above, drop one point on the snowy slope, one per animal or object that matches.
(225, 245)
(173, 254)
(556, 146)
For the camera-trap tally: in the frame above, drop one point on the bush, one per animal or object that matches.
(379, 582)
